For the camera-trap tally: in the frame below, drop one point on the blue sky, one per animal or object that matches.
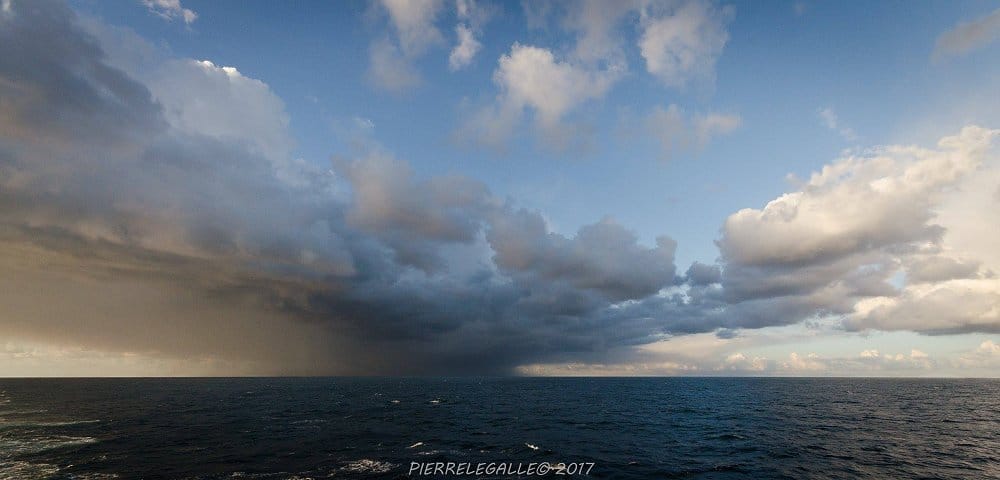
(771, 93)
(784, 62)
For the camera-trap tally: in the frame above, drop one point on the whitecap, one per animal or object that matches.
(275, 476)
(415, 445)
(366, 465)
(94, 476)
(533, 447)
(309, 421)
(22, 424)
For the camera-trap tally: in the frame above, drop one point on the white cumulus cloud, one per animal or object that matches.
(531, 79)
(467, 48)
(170, 10)
(682, 43)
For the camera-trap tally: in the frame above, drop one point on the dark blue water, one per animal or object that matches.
(375, 428)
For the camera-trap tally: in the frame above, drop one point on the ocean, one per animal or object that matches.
(299, 428)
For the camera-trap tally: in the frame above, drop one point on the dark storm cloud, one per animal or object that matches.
(57, 86)
(412, 216)
(180, 241)
(603, 257)
(699, 274)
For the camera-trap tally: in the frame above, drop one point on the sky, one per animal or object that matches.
(467, 187)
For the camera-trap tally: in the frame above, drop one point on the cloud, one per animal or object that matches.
(467, 48)
(389, 69)
(833, 245)
(953, 306)
(178, 235)
(844, 208)
(232, 106)
(678, 40)
(681, 42)
(700, 274)
(391, 57)
(678, 133)
(171, 10)
(596, 25)
(603, 257)
(986, 355)
(106, 106)
(868, 362)
(413, 22)
(831, 121)
(969, 36)
(532, 79)
(472, 16)
(133, 221)
(740, 362)
(929, 269)
(411, 216)
(703, 355)
(414, 32)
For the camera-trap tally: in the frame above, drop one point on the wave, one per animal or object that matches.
(269, 476)
(31, 445)
(20, 412)
(94, 476)
(366, 465)
(32, 424)
(26, 470)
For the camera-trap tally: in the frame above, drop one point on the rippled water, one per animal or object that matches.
(374, 427)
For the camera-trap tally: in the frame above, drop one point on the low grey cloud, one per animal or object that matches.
(603, 257)
(106, 106)
(700, 274)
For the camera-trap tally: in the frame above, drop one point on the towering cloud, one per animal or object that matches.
(836, 242)
(196, 235)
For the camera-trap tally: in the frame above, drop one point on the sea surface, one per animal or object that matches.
(298, 428)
